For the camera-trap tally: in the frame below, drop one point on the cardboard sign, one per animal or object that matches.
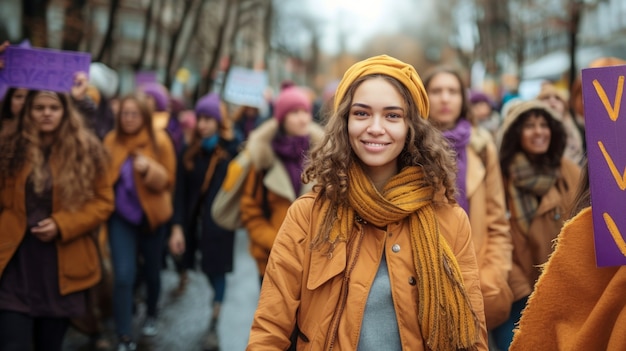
(605, 125)
(246, 87)
(42, 69)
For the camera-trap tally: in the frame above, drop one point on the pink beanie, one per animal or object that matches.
(290, 99)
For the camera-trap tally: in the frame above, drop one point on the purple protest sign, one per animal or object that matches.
(145, 77)
(605, 125)
(42, 69)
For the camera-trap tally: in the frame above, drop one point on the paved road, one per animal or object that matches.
(183, 321)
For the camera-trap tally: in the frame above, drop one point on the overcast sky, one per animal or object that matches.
(361, 19)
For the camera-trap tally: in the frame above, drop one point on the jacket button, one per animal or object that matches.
(395, 248)
(412, 281)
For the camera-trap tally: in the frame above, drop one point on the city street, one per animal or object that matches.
(184, 320)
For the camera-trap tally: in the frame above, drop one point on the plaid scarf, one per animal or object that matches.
(526, 186)
(445, 314)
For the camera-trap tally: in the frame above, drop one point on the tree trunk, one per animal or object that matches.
(231, 42)
(267, 32)
(215, 55)
(35, 24)
(74, 24)
(573, 44)
(174, 43)
(108, 38)
(156, 56)
(147, 24)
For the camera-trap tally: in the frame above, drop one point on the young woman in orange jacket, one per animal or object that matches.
(54, 193)
(143, 170)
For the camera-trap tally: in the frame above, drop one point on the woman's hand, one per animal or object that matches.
(3, 47)
(141, 164)
(79, 89)
(46, 230)
(177, 241)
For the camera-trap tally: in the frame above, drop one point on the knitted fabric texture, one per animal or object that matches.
(209, 106)
(526, 187)
(389, 66)
(290, 99)
(445, 315)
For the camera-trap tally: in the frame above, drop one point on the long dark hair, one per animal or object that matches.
(511, 142)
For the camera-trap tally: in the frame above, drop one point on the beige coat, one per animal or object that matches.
(533, 249)
(280, 194)
(304, 285)
(490, 227)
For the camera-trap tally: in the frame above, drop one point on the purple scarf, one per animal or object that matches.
(127, 202)
(291, 150)
(459, 137)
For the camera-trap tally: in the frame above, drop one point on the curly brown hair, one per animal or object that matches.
(425, 147)
(79, 154)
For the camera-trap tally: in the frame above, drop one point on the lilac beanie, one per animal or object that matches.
(290, 99)
(209, 106)
(158, 93)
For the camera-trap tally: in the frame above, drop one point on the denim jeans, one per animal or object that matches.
(126, 241)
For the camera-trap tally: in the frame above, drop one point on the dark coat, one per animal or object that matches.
(215, 243)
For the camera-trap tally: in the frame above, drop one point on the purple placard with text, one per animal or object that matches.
(42, 69)
(605, 126)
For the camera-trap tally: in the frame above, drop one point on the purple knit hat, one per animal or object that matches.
(288, 100)
(209, 106)
(158, 93)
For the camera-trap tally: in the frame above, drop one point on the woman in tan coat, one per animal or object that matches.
(53, 194)
(540, 184)
(481, 192)
(378, 256)
(143, 171)
(277, 148)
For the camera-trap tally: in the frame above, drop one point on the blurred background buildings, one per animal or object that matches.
(193, 43)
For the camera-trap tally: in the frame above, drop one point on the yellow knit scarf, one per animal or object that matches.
(445, 314)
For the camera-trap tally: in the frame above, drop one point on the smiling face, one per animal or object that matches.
(377, 127)
(446, 100)
(536, 135)
(47, 113)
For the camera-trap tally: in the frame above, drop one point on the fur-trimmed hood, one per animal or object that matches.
(259, 144)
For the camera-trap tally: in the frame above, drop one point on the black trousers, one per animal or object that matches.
(20, 332)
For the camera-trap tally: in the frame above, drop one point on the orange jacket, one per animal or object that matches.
(576, 306)
(78, 260)
(155, 188)
(304, 285)
(490, 227)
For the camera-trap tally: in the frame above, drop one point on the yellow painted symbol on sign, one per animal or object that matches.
(619, 178)
(615, 233)
(613, 111)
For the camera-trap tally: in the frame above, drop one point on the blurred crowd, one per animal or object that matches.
(96, 189)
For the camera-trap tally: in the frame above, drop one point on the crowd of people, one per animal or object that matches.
(406, 212)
